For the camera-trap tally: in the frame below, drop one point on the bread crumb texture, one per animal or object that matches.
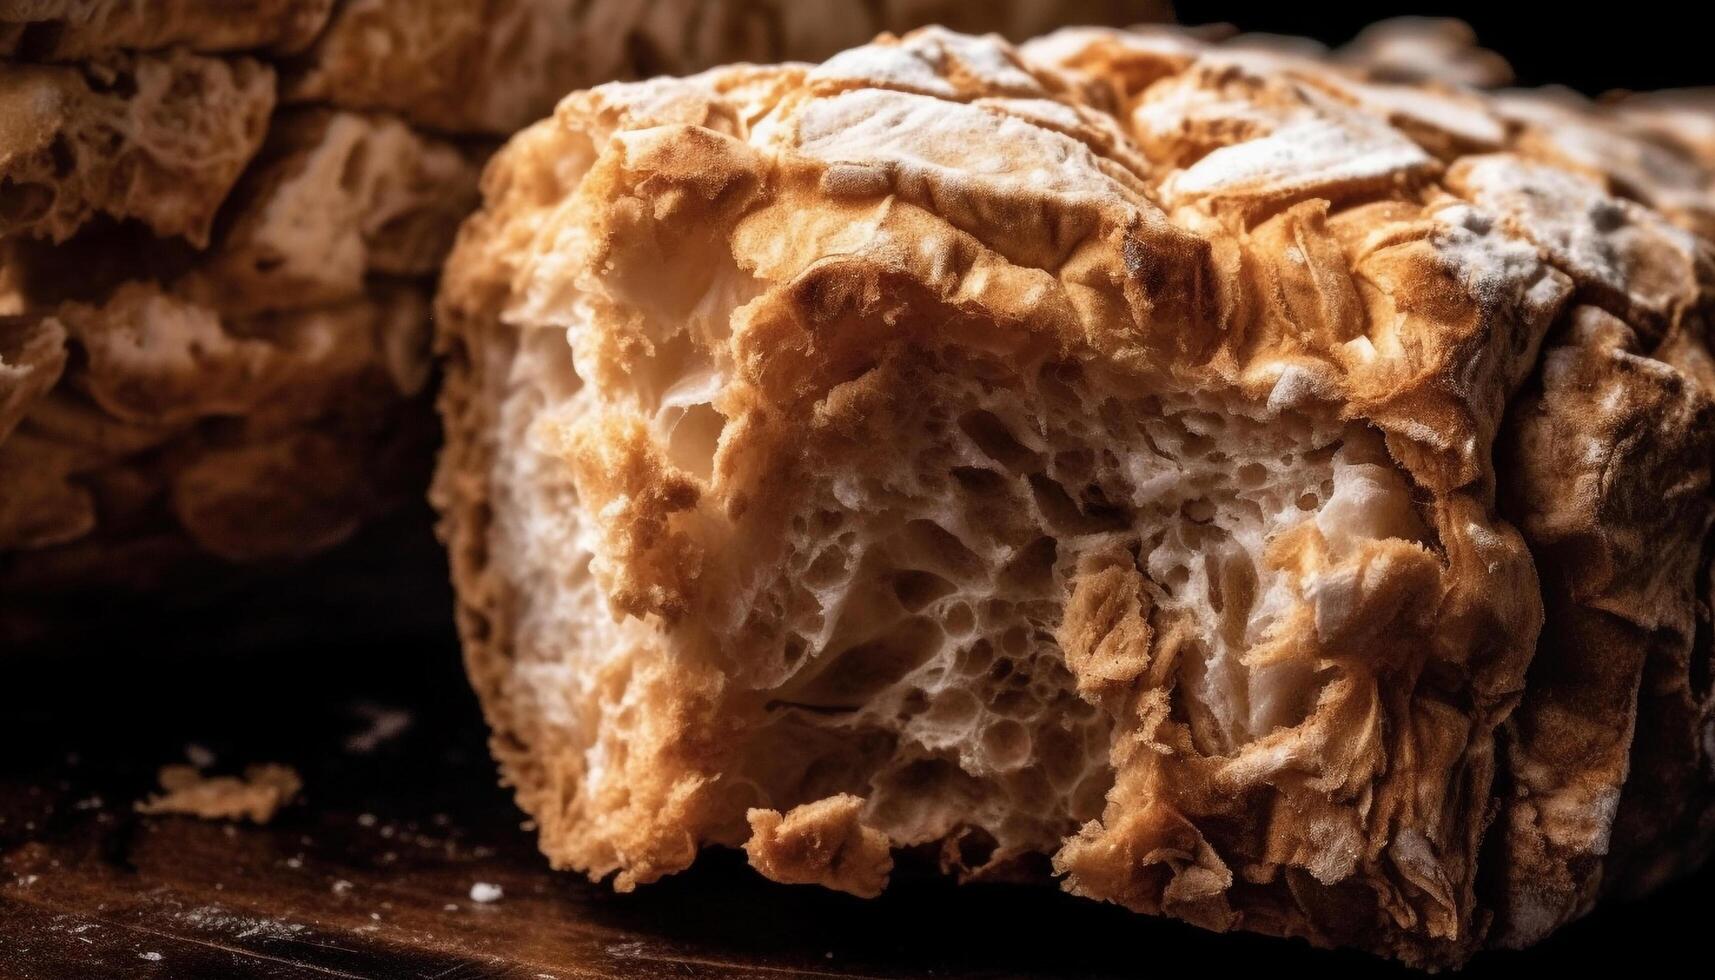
(256, 796)
(159, 138)
(220, 229)
(1264, 491)
(820, 843)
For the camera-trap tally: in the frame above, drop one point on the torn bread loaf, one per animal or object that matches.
(1092, 459)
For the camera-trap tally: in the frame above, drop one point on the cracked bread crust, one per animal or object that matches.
(1088, 449)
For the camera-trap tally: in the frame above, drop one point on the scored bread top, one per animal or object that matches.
(1358, 273)
(1154, 157)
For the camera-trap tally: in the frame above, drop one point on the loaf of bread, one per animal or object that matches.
(1239, 485)
(220, 226)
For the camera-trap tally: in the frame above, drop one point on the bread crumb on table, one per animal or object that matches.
(820, 843)
(257, 795)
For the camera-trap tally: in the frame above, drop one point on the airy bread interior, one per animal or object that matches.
(159, 138)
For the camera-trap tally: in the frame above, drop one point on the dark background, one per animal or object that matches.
(1643, 44)
(289, 670)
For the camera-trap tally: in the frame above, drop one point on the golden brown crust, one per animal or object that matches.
(1421, 49)
(752, 533)
(1627, 152)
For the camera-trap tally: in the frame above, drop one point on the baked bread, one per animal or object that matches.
(220, 225)
(230, 368)
(1127, 458)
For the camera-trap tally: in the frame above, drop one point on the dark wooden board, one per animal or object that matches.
(370, 874)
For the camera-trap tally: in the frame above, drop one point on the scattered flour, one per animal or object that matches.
(383, 725)
(485, 892)
(241, 926)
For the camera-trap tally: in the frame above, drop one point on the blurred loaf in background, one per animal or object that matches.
(220, 224)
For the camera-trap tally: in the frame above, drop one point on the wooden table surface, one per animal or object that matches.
(370, 874)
